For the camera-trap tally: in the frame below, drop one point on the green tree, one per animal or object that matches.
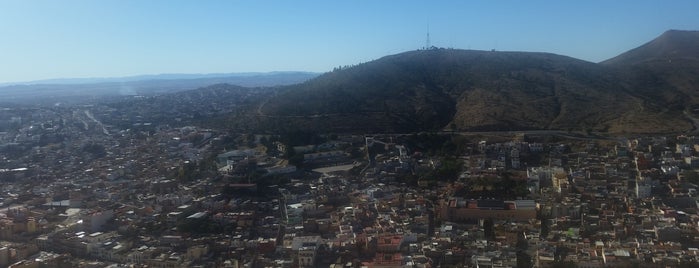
(296, 160)
(691, 176)
(545, 227)
(449, 169)
(524, 260)
(489, 229)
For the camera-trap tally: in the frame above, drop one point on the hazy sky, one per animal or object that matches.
(105, 38)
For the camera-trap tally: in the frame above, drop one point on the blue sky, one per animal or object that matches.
(110, 38)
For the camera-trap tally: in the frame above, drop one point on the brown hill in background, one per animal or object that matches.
(664, 71)
(671, 45)
(472, 90)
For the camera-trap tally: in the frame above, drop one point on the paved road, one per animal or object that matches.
(560, 133)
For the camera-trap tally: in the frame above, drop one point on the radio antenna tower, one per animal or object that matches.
(427, 41)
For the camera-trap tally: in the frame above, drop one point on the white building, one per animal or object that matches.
(294, 213)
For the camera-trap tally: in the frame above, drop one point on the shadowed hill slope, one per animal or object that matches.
(671, 45)
(664, 71)
(468, 90)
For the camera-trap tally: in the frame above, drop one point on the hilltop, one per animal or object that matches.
(664, 71)
(671, 45)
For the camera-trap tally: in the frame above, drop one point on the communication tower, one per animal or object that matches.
(428, 45)
(427, 41)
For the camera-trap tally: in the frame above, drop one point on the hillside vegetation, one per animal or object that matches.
(642, 91)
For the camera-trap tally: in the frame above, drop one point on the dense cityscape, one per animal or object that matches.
(349, 134)
(80, 193)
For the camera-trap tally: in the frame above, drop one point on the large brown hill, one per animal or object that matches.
(664, 71)
(671, 45)
(645, 90)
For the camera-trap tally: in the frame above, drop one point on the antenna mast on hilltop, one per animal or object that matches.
(427, 41)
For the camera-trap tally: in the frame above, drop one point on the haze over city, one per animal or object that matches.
(77, 39)
(349, 134)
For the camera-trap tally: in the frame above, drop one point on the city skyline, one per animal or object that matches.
(84, 39)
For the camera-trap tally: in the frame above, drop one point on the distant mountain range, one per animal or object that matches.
(77, 89)
(173, 76)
